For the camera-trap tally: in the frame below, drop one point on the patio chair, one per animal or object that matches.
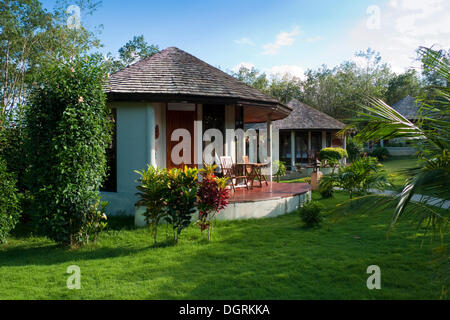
(230, 171)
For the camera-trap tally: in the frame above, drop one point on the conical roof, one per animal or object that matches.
(174, 73)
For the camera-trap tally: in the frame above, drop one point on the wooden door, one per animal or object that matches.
(179, 119)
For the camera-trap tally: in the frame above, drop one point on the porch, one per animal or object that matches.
(267, 201)
(302, 146)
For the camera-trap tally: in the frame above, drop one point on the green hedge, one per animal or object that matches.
(332, 154)
(68, 132)
(9, 202)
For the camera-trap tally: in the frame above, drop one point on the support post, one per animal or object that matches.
(150, 117)
(324, 139)
(198, 138)
(293, 149)
(269, 145)
(309, 140)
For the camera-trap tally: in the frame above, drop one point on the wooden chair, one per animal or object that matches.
(230, 171)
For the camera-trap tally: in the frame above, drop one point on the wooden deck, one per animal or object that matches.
(272, 191)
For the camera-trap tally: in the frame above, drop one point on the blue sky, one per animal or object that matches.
(277, 36)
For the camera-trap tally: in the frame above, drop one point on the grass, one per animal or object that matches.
(395, 167)
(276, 258)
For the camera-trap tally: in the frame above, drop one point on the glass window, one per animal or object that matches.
(328, 139)
(110, 183)
(316, 141)
(301, 147)
(285, 147)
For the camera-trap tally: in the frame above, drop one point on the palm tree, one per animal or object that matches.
(432, 134)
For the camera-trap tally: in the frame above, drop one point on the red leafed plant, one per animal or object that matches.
(212, 197)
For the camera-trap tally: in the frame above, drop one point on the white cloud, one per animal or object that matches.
(405, 25)
(314, 39)
(283, 39)
(289, 70)
(245, 41)
(247, 65)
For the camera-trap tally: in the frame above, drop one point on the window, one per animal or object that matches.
(316, 141)
(110, 183)
(285, 147)
(239, 117)
(328, 139)
(301, 147)
(214, 117)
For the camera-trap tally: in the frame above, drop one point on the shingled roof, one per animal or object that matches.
(408, 107)
(304, 117)
(174, 74)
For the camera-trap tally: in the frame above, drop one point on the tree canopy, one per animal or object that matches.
(338, 91)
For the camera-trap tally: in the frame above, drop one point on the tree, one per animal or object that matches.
(252, 77)
(431, 76)
(432, 133)
(133, 51)
(31, 38)
(68, 132)
(23, 24)
(285, 88)
(402, 85)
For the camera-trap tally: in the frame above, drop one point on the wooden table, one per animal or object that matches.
(253, 171)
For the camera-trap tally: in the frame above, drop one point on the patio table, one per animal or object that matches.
(253, 171)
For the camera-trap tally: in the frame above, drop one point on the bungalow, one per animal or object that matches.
(154, 98)
(409, 107)
(304, 132)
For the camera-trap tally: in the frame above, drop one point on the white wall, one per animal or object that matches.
(135, 146)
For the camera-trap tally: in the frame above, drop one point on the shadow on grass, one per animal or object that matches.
(23, 255)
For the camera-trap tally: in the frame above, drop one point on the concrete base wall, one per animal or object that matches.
(263, 209)
(401, 151)
(119, 203)
(248, 210)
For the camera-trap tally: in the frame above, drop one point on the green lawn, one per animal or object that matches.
(395, 167)
(275, 258)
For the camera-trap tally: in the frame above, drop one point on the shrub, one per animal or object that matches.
(326, 188)
(9, 202)
(12, 149)
(152, 192)
(96, 220)
(180, 197)
(281, 169)
(360, 176)
(332, 154)
(212, 197)
(381, 153)
(311, 213)
(168, 195)
(354, 149)
(68, 132)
